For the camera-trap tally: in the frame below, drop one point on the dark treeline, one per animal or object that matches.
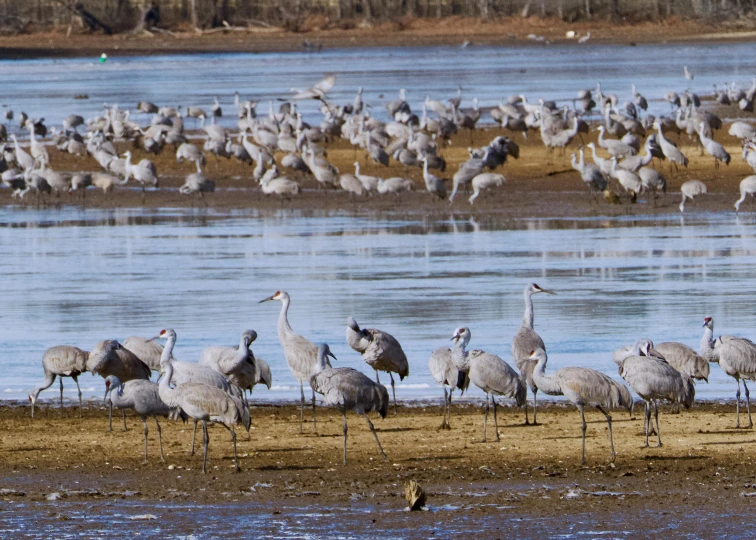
(123, 15)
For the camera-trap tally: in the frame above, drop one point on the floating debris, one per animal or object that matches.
(5, 492)
(54, 496)
(81, 96)
(415, 495)
(143, 517)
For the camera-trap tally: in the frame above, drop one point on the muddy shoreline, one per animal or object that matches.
(406, 33)
(533, 472)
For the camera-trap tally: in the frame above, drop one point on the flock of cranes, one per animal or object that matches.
(214, 390)
(282, 149)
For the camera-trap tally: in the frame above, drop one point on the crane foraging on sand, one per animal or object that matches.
(736, 356)
(582, 386)
(489, 373)
(142, 396)
(201, 402)
(380, 350)
(525, 341)
(349, 390)
(61, 361)
(301, 354)
(653, 378)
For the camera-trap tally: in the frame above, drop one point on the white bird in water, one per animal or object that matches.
(349, 390)
(61, 361)
(525, 341)
(203, 403)
(489, 373)
(691, 189)
(143, 397)
(582, 386)
(301, 354)
(380, 350)
(747, 187)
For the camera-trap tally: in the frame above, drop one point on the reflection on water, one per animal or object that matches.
(77, 277)
(45, 87)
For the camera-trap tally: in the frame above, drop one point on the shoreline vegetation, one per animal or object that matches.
(318, 34)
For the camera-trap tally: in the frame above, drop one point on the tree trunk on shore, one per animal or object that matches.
(588, 9)
(193, 13)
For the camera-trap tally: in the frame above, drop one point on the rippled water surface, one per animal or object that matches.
(46, 87)
(79, 276)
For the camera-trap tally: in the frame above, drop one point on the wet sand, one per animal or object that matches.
(318, 30)
(532, 473)
(538, 185)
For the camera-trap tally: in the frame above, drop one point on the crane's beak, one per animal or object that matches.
(154, 338)
(107, 391)
(548, 291)
(267, 299)
(329, 353)
(657, 354)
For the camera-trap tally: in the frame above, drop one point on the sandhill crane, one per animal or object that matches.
(630, 181)
(24, 160)
(203, 403)
(37, 149)
(604, 164)
(652, 180)
(687, 73)
(61, 361)
(143, 172)
(444, 372)
(111, 358)
(197, 184)
(301, 354)
(633, 163)
(590, 174)
(147, 108)
(489, 373)
(742, 130)
(747, 187)
(525, 341)
(654, 379)
(144, 398)
(582, 386)
(148, 351)
(684, 359)
(671, 152)
(370, 183)
(318, 91)
(713, 148)
(395, 185)
(614, 147)
(467, 171)
(281, 186)
(485, 181)
(736, 356)
(348, 390)
(638, 99)
(433, 183)
(189, 152)
(691, 189)
(237, 364)
(351, 185)
(380, 350)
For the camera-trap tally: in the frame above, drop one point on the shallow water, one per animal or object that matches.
(46, 87)
(79, 276)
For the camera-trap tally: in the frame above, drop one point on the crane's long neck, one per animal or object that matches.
(166, 355)
(459, 354)
(167, 394)
(283, 318)
(546, 384)
(243, 351)
(707, 345)
(527, 318)
(321, 365)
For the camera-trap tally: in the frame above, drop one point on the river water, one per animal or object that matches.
(46, 87)
(75, 276)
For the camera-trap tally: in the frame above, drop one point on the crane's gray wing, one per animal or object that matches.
(498, 376)
(385, 353)
(684, 359)
(589, 387)
(65, 360)
(525, 341)
(740, 354)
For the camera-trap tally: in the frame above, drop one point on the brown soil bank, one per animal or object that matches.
(705, 468)
(410, 32)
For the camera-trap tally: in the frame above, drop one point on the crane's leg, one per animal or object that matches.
(377, 380)
(123, 413)
(527, 422)
(301, 409)
(737, 404)
(582, 417)
(611, 437)
(448, 409)
(110, 416)
(485, 420)
(60, 380)
(496, 422)
(345, 433)
(144, 421)
(233, 438)
(393, 391)
(78, 388)
(535, 406)
(314, 423)
(748, 404)
(370, 424)
(206, 443)
(656, 417)
(47, 383)
(446, 400)
(160, 439)
(646, 419)
(194, 437)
